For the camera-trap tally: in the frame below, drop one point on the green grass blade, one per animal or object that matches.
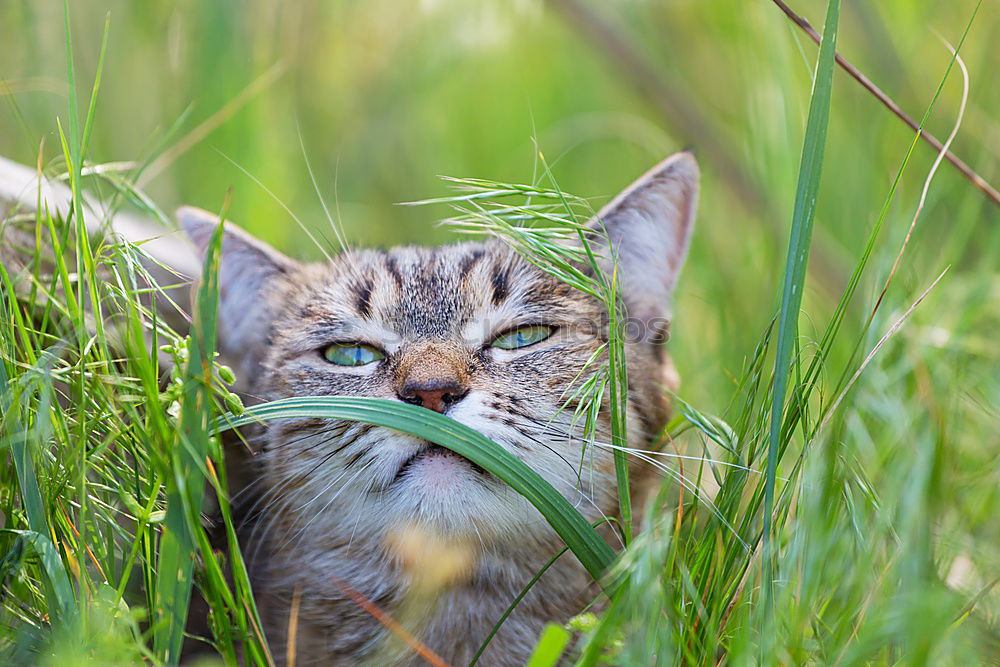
(513, 605)
(550, 646)
(23, 466)
(178, 545)
(795, 267)
(592, 551)
(55, 573)
(58, 590)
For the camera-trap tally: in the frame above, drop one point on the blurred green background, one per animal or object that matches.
(387, 94)
(384, 95)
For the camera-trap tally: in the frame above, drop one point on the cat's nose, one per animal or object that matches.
(433, 374)
(437, 395)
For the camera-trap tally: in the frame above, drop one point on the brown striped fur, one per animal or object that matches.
(333, 499)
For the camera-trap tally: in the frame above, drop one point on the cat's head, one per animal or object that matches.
(471, 330)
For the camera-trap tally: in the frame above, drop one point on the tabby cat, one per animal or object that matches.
(350, 511)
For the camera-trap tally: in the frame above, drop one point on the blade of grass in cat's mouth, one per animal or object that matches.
(428, 450)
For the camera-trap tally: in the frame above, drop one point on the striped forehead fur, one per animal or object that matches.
(434, 291)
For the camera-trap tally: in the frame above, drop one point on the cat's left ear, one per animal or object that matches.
(252, 276)
(649, 225)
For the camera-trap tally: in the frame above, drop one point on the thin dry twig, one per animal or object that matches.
(647, 80)
(390, 623)
(259, 633)
(293, 627)
(978, 181)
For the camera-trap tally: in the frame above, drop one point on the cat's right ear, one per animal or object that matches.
(649, 228)
(251, 273)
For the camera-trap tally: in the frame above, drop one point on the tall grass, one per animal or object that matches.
(111, 443)
(108, 416)
(864, 534)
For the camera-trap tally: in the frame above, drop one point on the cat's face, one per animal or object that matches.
(471, 330)
(430, 326)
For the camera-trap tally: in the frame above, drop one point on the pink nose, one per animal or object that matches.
(436, 395)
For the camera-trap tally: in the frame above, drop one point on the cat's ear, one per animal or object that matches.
(649, 225)
(251, 274)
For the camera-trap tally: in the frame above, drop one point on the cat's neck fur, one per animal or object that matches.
(451, 621)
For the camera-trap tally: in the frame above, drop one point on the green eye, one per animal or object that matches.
(522, 337)
(352, 354)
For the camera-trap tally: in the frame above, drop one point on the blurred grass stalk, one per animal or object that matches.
(799, 244)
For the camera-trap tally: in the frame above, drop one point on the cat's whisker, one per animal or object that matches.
(581, 496)
(280, 203)
(271, 495)
(335, 225)
(643, 455)
(576, 470)
(652, 452)
(482, 542)
(266, 439)
(354, 530)
(329, 456)
(236, 499)
(693, 488)
(328, 486)
(298, 535)
(269, 500)
(541, 443)
(687, 457)
(263, 526)
(259, 480)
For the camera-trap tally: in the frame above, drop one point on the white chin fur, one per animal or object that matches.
(441, 492)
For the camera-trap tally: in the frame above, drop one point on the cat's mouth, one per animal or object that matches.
(429, 452)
